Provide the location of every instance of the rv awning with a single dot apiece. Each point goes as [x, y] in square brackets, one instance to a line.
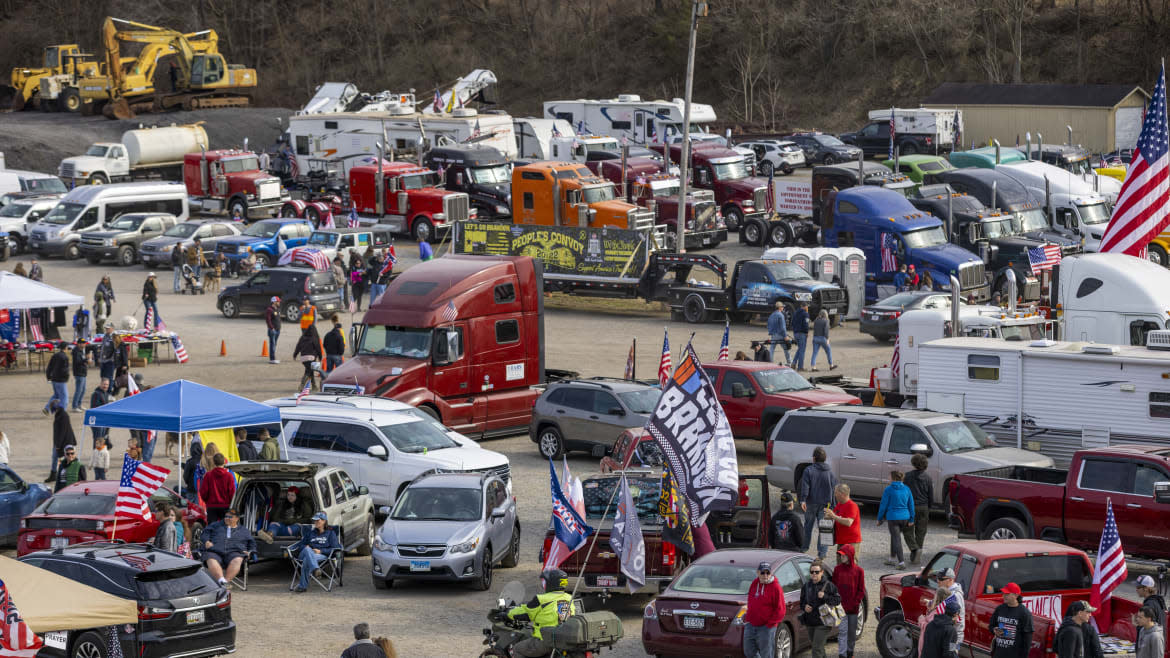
[49, 602]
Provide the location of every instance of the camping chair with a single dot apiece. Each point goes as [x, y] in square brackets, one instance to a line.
[331, 567]
[241, 579]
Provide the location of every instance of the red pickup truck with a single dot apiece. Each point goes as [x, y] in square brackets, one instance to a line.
[745, 526]
[1068, 506]
[1051, 576]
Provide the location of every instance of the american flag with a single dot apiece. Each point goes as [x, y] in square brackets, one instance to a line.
[293, 168]
[630, 360]
[475, 133]
[34, 329]
[160, 325]
[896, 360]
[307, 255]
[723, 354]
[391, 261]
[139, 482]
[353, 218]
[770, 198]
[16, 638]
[1143, 206]
[555, 132]
[891, 133]
[437, 104]
[664, 366]
[180, 351]
[148, 321]
[137, 561]
[308, 388]
[942, 605]
[889, 245]
[450, 312]
[1043, 258]
[1110, 571]
[328, 221]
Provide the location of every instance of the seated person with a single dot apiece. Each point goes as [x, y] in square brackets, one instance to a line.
[315, 546]
[291, 511]
[226, 544]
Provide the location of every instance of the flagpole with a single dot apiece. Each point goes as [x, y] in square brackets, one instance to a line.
[593, 543]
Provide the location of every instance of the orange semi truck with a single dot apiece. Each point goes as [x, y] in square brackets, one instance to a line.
[568, 194]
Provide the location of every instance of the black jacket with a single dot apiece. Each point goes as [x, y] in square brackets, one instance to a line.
[149, 291]
[809, 596]
[1092, 642]
[335, 342]
[189, 467]
[247, 451]
[177, 256]
[80, 362]
[939, 639]
[1070, 640]
[921, 488]
[787, 521]
[1158, 603]
[62, 431]
[99, 398]
[58, 368]
[308, 343]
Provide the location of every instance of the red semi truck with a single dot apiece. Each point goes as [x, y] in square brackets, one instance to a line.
[739, 195]
[231, 181]
[410, 200]
[648, 186]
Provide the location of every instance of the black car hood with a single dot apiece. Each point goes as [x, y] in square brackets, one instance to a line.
[1050, 236]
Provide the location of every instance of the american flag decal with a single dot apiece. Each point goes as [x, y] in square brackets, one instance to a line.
[136, 561]
[450, 312]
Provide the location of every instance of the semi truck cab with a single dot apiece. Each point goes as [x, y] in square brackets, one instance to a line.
[231, 180]
[648, 186]
[481, 172]
[409, 201]
[567, 194]
[725, 172]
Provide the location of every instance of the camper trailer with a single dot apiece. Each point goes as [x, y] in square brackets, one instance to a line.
[642, 122]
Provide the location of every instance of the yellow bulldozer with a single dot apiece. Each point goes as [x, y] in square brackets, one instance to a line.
[201, 78]
[53, 86]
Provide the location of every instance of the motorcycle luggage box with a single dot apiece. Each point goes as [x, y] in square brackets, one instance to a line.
[600, 628]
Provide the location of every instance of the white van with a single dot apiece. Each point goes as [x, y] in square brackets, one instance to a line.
[22, 213]
[16, 180]
[89, 207]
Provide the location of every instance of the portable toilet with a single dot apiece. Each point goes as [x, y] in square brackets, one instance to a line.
[802, 256]
[853, 279]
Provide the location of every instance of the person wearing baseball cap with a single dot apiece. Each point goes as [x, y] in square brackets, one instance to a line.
[1147, 588]
[940, 639]
[316, 545]
[946, 581]
[1011, 624]
[1070, 638]
[765, 610]
[272, 319]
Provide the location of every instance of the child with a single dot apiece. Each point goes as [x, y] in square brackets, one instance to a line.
[99, 461]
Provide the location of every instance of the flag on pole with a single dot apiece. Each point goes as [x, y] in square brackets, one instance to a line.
[180, 351]
[770, 197]
[569, 526]
[1143, 205]
[328, 221]
[626, 540]
[450, 312]
[16, 638]
[1043, 258]
[723, 354]
[1110, 571]
[139, 482]
[889, 246]
[676, 518]
[391, 261]
[630, 360]
[664, 366]
[891, 133]
[308, 388]
[558, 551]
[437, 104]
[353, 218]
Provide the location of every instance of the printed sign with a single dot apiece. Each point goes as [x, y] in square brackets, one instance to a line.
[514, 371]
[1047, 605]
[855, 267]
[827, 266]
[57, 639]
[793, 198]
[602, 251]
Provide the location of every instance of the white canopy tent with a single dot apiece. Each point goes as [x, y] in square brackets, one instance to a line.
[18, 292]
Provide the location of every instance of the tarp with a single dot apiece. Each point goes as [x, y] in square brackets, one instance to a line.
[181, 406]
[49, 602]
[19, 292]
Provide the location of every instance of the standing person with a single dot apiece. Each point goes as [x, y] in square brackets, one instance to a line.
[244, 446]
[927, 282]
[35, 272]
[80, 374]
[821, 340]
[191, 474]
[800, 331]
[1070, 639]
[1147, 588]
[363, 646]
[177, 259]
[334, 344]
[272, 319]
[57, 372]
[107, 290]
[922, 489]
[816, 492]
[946, 582]
[62, 437]
[308, 351]
[373, 272]
[69, 469]
[900, 278]
[817, 591]
[99, 461]
[150, 299]
[847, 517]
[108, 355]
[939, 639]
[315, 545]
[384, 643]
[1150, 643]
[80, 325]
[778, 331]
[787, 526]
[357, 280]
[1011, 624]
[5, 449]
[195, 257]
[849, 578]
[166, 538]
[765, 610]
[270, 450]
[341, 280]
[897, 511]
[217, 489]
[912, 279]
[101, 396]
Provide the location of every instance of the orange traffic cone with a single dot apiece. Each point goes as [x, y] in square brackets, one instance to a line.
[321, 343]
[223, 348]
[264, 350]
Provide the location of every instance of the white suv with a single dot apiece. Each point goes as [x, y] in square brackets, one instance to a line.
[385, 445]
[775, 155]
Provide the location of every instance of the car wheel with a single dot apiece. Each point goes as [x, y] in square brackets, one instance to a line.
[766, 168]
[291, 312]
[126, 256]
[288, 211]
[70, 100]
[1157, 255]
[264, 260]
[783, 641]
[780, 235]
[313, 216]
[894, 637]
[484, 582]
[430, 411]
[421, 230]
[89, 645]
[862, 615]
[551, 443]
[694, 309]
[367, 546]
[513, 557]
[733, 218]
[229, 307]
[829, 159]
[752, 233]
[382, 583]
[97, 179]
[72, 252]
[1006, 528]
[93, 259]
[240, 205]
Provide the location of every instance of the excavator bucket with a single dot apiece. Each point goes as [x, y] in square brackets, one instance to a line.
[11, 99]
[118, 109]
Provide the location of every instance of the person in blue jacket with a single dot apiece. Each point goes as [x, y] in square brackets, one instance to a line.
[778, 331]
[897, 510]
[800, 331]
[315, 546]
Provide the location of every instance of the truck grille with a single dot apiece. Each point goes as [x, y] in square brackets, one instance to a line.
[67, 170]
[456, 207]
[268, 190]
[91, 241]
[828, 296]
[705, 215]
[641, 220]
[760, 198]
[971, 276]
[503, 472]
[422, 550]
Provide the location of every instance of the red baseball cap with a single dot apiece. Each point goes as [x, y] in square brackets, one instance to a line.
[1011, 588]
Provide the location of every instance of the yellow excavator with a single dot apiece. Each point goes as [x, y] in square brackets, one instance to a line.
[53, 86]
[202, 78]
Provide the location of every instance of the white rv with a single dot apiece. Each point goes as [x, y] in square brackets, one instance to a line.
[1071, 395]
[1074, 207]
[643, 122]
[534, 136]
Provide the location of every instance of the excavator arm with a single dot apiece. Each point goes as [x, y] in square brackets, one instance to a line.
[159, 43]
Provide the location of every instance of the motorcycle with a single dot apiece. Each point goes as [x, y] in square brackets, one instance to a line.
[581, 635]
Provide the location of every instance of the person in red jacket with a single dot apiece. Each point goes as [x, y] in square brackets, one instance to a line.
[847, 516]
[765, 610]
[849, 578]
[216, 489]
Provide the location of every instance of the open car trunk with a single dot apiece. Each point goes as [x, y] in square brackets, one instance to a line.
[256, 501]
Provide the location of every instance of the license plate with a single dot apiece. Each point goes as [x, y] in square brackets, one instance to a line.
[706, 241]
[875, 318]
[58, 542]
[420, 565]
[195, 617]
[694, 622]
[607, 581]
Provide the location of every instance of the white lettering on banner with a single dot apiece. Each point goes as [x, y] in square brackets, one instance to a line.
[514, 371]
[1047, 605]
[793, 198]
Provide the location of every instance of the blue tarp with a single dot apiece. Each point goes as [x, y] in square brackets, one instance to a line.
[181, 406]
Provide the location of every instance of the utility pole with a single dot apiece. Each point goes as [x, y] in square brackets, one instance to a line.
[698, 8]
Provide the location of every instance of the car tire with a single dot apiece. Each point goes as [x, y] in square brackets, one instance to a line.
[367, 546]
[89, 645]
[430, 411]
[766, 168]
[1157, 255]
[483, 582]
[422, 230]
[72, 252]
[828, 159]
[291, 312]
[784, 643]
[752, 233]
[229, 307]
[694, 309]
[550, 442]
[894, 637]
[239, 204]
[93, 259]
[733, 218]
[513, 557]
[70, 101]
[313, 216]
[126, 256]
[781, 235]
[288, 211]
[264, 260]
[382, 583]
[1005, 528]
[97, 179]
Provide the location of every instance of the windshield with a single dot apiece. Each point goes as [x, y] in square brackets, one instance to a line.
[438, 504]
[97, 150]
[828, 140]
[1079, 166]
[262, 230]
[78, 504]
[52, 184]
[1023, 332]
[1030, 220]
[417, 436]
[598, 193]
[322, 239]
[643, 489]
[996, 229]
[789, 147]
[786, 271]
[127, 223]
[236, 165]
[926, 237]
[780, 380]
[15, 209]
[181, 230]
[716, 579]
[174, 583]
[1093, 213]
[64, 213]
[730, 170]
[959, 436]
[666, 188]
[396, 341]
[641, 402]
[419, 181]
[489, 175]
[607, 146]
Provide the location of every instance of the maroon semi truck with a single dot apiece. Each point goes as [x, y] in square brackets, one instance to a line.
[1068, 505]
[724, 171]
[231, 181]
[648, 186]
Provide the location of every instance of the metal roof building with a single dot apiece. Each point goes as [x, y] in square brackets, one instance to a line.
[1103, 117]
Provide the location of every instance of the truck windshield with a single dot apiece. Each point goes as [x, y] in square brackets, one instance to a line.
[262, 230]
[645, 490]
[396, 341]
[1030, 220]
[666, 188]
[935, 165]
[780, 380]
[996, 228]
[490, 175]
[641, 402]
[49, 184]
[419, 181]
[184, 230]
[438, 504]
[1022, 332]
[97, 150]
[127, 223]
[15, 209]
[236, 165]
[1079, 166]
[786, 271]
[64, 213]
[597, 194]
[605, 146]
[1040, 573]
[730, 170]
[924, 237]
[959, 436]
[1093, 213]
[417, 436]
[716, 579]
[322, 239]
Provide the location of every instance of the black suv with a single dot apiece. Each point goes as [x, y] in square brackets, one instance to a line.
[291, 284]
[181, 609]
[820, 148]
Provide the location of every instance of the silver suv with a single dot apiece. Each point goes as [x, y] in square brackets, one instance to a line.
[448, 527]
[589, 414]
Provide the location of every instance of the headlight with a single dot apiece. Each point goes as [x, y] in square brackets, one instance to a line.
[748, 203]
[465, 547]
[803, 296]
[380, 545]
[109, 242]
[503, 210]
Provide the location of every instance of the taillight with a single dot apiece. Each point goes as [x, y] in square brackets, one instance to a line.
[224, 599]
[649, 612]
[307, 286]
[897, 314]
[738, 621]
[545, 548]
[668, 554]
[146, 612]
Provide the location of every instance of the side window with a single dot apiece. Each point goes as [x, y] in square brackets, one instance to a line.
[507, 331]
[504, 293]
[604, 403]
[983, 366]
[1159, 405]
[448, 345]
[846, 207]
[712, 374]
[944, 560]
[1138, 330]
[326, 494]
[751, 493]
[557, 396]
[579, 398]
[260, 279]
[789, 577]
[347, 241]
[304, 230]
[154, 225]
[496, 494]
[89, 218]
[338, 488]
[172, 207]
[528, 202]
[316, 435]
[904, 436]
[302, 145]
[1089, 286]
[965, 572]
[351, 490]
[730, 379]
[814, 430]
[223, 230]
[288, 232]
[355, 438]
[867, 435]
[1107, 475]
[531, 175]
[1143, 482]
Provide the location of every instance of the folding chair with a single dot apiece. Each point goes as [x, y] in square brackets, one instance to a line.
[332, 567]
[241, 579]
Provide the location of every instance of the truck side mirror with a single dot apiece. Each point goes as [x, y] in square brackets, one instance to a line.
[378, 452]
[459, 180]
[973, 232]
[910, 580]
[921, 448]
[1162, 493]
[703, 177]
